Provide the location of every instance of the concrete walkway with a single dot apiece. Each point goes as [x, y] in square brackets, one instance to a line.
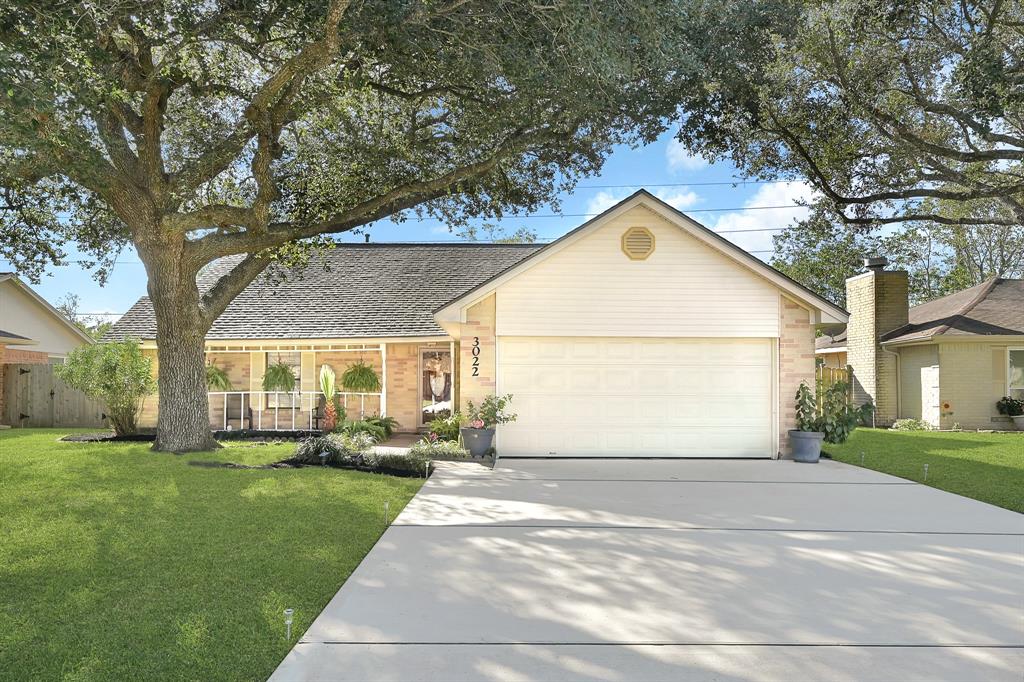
[678, 570]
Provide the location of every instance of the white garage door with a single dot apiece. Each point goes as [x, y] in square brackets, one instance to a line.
[618, 397]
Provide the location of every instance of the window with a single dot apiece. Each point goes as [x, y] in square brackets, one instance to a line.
[1015, 372]
[294, 361]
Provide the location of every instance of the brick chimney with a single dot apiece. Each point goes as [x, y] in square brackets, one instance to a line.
[878, 304]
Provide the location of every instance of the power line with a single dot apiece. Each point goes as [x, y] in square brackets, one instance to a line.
[732, 183]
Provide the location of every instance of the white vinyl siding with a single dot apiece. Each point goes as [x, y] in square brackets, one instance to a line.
[637, 397]
[683, 289]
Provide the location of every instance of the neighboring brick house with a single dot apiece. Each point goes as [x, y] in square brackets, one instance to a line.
[640, 333]
[945, 362]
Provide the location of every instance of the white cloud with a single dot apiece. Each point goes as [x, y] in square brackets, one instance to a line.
[602, 201]
[772, 194]
[681, 199]
[679, 158]
[440, 229]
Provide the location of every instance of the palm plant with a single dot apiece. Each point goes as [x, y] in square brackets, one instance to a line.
[217, 378]
[327, 385]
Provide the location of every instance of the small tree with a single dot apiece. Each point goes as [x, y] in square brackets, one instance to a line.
[116, 373]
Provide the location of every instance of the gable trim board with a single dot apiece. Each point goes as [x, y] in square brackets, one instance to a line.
[687, 353]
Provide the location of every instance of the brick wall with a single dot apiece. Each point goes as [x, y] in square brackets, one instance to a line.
[878, 304]
[796, 363]
[403, 394]
[477, 331]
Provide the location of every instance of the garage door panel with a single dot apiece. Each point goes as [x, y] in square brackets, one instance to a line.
[637, 397]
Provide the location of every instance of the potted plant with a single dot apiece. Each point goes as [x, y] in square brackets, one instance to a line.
[479, 435]
[279, 377]
[1012, 408]
[806, 439]
[833, 422]
[360, 378]
[217, 379]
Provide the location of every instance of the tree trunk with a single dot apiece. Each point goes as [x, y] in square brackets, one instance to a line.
[183, 424]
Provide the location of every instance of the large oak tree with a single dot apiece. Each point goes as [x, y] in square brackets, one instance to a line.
[195, 130]
[895, 110]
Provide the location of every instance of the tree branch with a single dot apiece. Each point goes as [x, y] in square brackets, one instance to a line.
[217, 298]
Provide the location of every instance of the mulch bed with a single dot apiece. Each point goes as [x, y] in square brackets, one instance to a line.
[235, 434]
[292, 463]
[107, 437]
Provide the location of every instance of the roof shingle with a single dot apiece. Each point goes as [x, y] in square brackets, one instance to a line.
[352, 291]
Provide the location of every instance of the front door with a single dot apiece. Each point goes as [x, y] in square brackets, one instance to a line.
[435, 384]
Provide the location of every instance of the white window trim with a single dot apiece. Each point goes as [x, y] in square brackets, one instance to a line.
[1009, 374]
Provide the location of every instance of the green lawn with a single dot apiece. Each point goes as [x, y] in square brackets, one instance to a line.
[986, 466]
[120, 563]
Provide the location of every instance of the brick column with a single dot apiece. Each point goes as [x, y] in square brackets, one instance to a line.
[477, 350]
[796, 363]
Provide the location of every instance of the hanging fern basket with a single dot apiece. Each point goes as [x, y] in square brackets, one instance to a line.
[360, 378]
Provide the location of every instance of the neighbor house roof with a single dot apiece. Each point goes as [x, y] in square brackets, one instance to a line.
[994, 307]
[45, 305]
[351, 291]
[12, 339]
[835, 343]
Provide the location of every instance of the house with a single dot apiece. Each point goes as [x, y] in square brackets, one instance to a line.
[640, 333]
[32, 332]
[944, 362]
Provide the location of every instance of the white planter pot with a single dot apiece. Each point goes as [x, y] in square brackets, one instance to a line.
[1018, 422]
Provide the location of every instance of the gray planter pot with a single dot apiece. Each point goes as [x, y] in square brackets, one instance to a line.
[806, 445]
[478, 441]
[1018, 422]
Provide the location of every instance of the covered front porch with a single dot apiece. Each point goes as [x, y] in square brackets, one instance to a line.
[417, 382]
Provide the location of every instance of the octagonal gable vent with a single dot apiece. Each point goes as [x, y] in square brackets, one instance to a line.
[638, 243]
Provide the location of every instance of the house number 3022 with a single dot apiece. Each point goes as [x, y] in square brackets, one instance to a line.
[476, 356]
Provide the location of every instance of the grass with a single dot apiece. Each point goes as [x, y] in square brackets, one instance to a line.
[120, 563]
[986, 466]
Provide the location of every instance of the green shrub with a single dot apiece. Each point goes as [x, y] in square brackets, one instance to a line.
[389, 424]
[116, 373]
[438, 449]
[414, 464]
[447, 428]
[338, 446]
[375, 431]
[909, 425]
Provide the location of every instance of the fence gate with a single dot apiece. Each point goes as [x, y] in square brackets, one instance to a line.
[35, 397]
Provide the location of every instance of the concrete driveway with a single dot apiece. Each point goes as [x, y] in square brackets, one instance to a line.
[678, 570]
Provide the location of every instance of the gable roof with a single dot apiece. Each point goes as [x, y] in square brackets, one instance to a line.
[45, 305]
[994, 307]
[354, 291]
[12, 339]
[830, 312]
[831, 343]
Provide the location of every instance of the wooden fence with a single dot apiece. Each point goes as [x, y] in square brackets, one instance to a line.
[35, 397]
[825, 377]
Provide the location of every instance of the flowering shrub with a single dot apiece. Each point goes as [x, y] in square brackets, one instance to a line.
[491, 412]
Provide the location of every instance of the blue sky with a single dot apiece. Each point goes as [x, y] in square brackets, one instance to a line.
[663, 168]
